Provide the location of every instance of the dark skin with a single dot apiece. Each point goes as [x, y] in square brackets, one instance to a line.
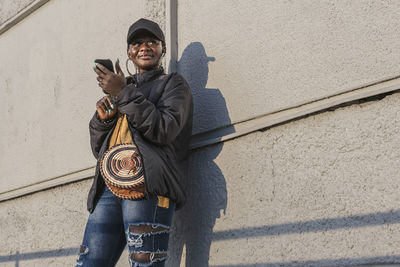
[145, 51]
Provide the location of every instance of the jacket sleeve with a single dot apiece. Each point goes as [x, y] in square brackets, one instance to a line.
[161, 122]
[98, 132]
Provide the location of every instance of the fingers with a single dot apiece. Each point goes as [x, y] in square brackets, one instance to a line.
[109, 81]
[110, 104]
[99, 73]
[102, 83]
[101, 78]
[101, 112]
[102, 69]
[103, 73]
[106, 105]
[118, 68]
[103, 104]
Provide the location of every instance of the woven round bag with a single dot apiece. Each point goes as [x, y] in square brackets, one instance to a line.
[122, 169]
[131, 194]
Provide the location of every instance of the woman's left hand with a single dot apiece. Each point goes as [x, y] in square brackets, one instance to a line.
[109, 81]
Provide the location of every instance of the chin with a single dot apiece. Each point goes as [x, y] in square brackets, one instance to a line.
[148, 67]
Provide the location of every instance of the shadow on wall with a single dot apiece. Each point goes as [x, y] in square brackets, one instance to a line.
[210, 110]
[393, 260]
[183, 235]
[192, 228]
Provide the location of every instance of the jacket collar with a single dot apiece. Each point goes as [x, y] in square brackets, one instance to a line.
[141, 78]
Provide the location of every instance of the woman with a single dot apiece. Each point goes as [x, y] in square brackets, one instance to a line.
[152, 111]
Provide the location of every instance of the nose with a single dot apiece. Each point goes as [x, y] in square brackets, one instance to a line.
[144, 46]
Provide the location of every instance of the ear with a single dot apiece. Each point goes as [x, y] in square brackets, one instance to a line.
[128, 52]
[164, 50]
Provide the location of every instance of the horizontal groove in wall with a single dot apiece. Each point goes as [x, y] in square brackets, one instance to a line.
[21, 15]
[236, 130]
[216, 135]
[276, 118]
[60, 180]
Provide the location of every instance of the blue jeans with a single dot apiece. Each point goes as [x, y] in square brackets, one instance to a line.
[143, 224]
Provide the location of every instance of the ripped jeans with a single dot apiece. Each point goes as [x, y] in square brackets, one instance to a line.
[142, 224]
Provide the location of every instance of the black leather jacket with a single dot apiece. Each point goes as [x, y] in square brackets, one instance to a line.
[159, 111]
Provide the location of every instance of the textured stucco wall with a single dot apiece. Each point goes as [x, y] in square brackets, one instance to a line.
[318, 191]
[269, 55]
[49, 88]
[40, 229]
[322, 190]
[9, 9]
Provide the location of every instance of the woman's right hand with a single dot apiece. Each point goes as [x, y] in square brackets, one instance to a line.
[106, 109]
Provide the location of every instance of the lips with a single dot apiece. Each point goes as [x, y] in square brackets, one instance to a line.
[146, 57]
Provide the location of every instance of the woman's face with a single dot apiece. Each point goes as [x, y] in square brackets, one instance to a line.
[145, 51]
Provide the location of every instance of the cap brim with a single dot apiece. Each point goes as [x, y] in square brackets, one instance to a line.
[210, 58]
[141, 31]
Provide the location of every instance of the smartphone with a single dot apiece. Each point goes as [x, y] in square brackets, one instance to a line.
[106, 63]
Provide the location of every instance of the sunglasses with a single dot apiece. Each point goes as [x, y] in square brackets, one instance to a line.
[150, 43]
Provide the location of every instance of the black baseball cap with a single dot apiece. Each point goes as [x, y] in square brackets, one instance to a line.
[145, 25]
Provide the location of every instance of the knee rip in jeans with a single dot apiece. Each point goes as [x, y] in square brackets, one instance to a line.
[139, 230]
[83, 250]
[144, 258]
